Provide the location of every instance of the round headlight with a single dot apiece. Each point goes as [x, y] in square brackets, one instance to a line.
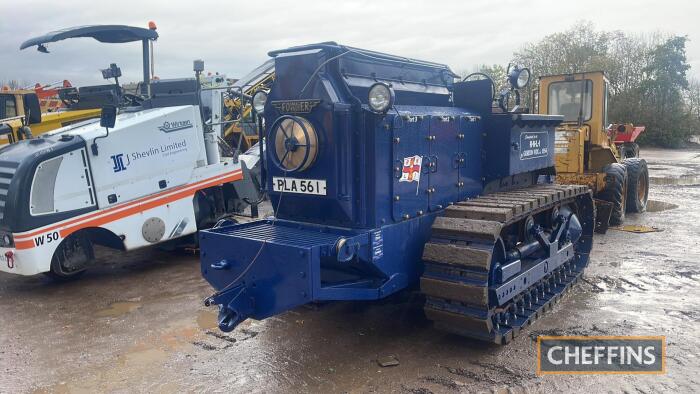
[381, 97]
[6, 240]
[519, 77]
[259, 100]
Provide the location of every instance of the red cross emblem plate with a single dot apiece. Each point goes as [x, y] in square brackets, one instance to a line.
[411, 169]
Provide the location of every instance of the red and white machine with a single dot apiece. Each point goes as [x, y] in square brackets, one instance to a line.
[154, 177]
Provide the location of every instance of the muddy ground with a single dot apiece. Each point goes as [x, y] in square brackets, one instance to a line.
[137, 324]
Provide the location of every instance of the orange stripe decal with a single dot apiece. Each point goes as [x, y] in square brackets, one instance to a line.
[24, 244]
[99, 218]
[196, 186]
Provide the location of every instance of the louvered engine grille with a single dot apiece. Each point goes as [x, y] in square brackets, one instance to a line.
[7, 171]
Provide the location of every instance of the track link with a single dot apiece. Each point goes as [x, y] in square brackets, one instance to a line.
[466, 246]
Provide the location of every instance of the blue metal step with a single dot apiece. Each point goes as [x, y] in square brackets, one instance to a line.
[279, 232]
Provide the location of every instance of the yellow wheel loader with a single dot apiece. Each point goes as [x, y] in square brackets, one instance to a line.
[588, 152]
[21, 117]
[240, 131]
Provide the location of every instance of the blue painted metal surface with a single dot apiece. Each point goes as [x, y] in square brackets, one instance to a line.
[518, 144]
[364, 238]
[278, 264]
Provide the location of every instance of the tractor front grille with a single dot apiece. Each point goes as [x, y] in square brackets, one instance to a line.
[7, 171]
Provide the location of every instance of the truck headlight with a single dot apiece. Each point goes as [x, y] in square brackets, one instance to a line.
[381, 97]
[519, 77]
[259, 100]
[6, 241]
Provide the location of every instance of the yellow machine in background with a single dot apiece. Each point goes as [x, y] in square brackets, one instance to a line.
[21, 117]
[240, 130]
[586, 151]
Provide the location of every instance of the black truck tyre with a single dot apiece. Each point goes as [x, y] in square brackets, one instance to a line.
[71, 258]
[615, 178]
[637, 184]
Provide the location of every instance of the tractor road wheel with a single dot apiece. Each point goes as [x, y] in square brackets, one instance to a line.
[637, 184]
[615, 178]
[71, 258]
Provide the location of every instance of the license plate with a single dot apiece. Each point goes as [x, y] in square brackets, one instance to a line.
[301, 186]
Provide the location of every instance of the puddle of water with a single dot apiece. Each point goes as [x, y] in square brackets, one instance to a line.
[207, 320]
[180, 337]
[689, 180]
[139, 358]
[119, 308]
[659, 206]
[60, 388]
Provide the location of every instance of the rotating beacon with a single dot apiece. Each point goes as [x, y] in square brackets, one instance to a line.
[386, 173]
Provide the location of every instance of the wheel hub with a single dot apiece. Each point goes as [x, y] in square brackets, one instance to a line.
[295, 143]
[291, 144]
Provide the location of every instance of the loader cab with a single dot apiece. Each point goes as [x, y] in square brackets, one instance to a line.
[581, 97]
[8, 105]
[18, 111]
[583, 143]
[20, 104]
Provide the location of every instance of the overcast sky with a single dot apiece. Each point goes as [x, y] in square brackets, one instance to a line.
[232, 37]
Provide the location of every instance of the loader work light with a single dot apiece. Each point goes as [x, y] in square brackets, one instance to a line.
[381, 97]
[519, 77]
[259, 100]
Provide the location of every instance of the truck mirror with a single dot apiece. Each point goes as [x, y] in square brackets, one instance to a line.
[108, 117]
[32, 108]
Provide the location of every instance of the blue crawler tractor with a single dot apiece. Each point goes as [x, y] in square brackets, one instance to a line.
[387, 173]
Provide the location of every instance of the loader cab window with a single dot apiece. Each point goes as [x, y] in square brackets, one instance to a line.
[605, 105]
[8, 106]
[566, 98]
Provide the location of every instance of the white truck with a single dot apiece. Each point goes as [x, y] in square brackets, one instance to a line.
[154, 175]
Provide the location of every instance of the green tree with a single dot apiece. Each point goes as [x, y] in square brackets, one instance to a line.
[578, 49]
[496, 71]
[647, 74]
[663, 91]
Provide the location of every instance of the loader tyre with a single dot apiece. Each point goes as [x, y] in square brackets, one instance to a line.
[637, 184]
[629, 150]
[615, 178]
[71, 258]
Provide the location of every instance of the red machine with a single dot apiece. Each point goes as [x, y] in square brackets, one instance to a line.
[625, 136]
[48, 95]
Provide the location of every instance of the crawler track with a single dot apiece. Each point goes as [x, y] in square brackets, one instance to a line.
[470, 241]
